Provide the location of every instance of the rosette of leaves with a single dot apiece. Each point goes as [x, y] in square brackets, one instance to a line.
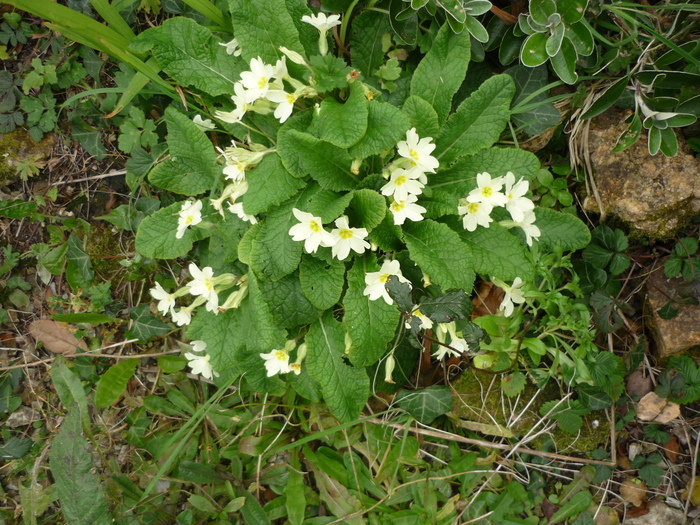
[459, 14]
[329, 162]
[556, 32]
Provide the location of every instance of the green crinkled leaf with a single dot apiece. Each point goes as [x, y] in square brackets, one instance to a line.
[329, 205]
[286, 147]
[223, 244]
[427, 404]
[386, 125]
[308, 34]
[262, 333]
[223, 335]
[367, 209]
[422, 116]
[387, 235]
[345, 389]
[113, 382]
[262, 26]
[343, 124]
[144, 325]
[245, 246]
[371, 324]
[322, 281]
[79, 490]
[156, 235]
[440, 253]
[439, 75]
[478, 121]
[190, 54]
[497, 252]
[287, 302]
[269, 184]
[192, 167]
[326, 163]
[366, 34]
[561, 229]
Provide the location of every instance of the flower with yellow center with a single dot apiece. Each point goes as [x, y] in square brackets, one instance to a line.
[190, 214]
[407, 209]
[375, 281]
[488, 191]
[475, 214]
[203, 284]
[276, 362]
[347, 238]
[403, 183]
[257, 80]
[310, 230]
[418, 151]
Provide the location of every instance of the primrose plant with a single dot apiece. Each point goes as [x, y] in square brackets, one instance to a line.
[323, 191]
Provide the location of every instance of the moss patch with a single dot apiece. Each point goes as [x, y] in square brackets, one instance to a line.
[17, 148]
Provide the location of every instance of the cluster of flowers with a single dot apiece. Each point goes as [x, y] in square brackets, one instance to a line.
[477, 206]
[277, 361]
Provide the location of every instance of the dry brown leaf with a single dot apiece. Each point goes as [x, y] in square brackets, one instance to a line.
[671, 449]
[57, 338]
[658, 409]
[607, 516]
[638, 384]
[487, 300]
[633, 491]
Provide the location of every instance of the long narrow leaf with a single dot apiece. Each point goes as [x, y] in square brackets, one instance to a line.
[213, 13]
[113, 18]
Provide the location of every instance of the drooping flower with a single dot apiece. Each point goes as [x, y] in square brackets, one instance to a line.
[456, 346]
[518, 205]
[182, 317]
[418, 151]
[237, 208]
[407, 209]
[203, 124]
[243, 99]
[347, 238]
[514, 294]
[166, 301]
[528, 226]
[488, 190]
[323, 24]
[232, 47]
[475, 214]
[190, 214]
[425, 322]
[276, 362]
[402, 184]
[376, 281]
[257, 80]
[310, 230]
[203, 284]
[200, 363]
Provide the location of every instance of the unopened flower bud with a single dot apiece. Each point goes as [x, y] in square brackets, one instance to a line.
[389, 369]
[293, 56]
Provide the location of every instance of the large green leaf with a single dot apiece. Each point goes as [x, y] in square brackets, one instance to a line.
[223, 335]
[261, 27]
[543, 115]
[561, 229]
[386, 125]
[439, 75]
[322, 281]
[326, 163]
[287, 302]
[192, 167]
[440, 253]
[156, 235]
[422, 115]
[371, 324]
[366, 34]
[343, 124]
[345, 389]
[367, 209]
[478, 121]
[79, 490]
[269, 184]
[69, 389]
[286, 146]
[190, 54]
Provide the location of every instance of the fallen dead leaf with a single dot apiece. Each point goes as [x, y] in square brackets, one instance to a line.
[57, 338]
[487, 300]
[638, 384]
[695, 495]
[636, 512]
[607, 516]
[633, 491]
[657, 409]
[671, 449]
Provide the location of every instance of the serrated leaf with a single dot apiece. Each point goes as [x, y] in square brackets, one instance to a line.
[288, 304]
[113, 382]
[427, 404]
[478, 121]
[422, 116]
[322, 281]
[15, 448]
[144, 325]
[70, 390]
[79, 490]
[343, 124]
[190, 54]
[513, 384]
[192, 167]
[442, 70]
[371, 324]
[386, 125]
[439, 251]
[269, 184]
[345, 389]
[155, 236]
[561, 229]
[329, 165]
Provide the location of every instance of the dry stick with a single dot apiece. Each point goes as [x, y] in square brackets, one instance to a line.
[113, 173]
[488, 444]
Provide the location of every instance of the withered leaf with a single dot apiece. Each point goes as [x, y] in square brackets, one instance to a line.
[57, 337]
[658, 409]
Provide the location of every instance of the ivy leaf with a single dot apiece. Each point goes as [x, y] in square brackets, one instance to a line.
[386, 125]
[441, 72]
[593, 397]
[192, 167]
[452, 306]
[561, 229]
[400, 292]
[144, 325]
[478, 121]
[322, 281]
[155, 236]
[269, 184]
[439, 251]
[343, 125]
[345, 389]
[427, 404]
[190, 54]
[422, 116]
[75, 254]
[371, 324]
[326, 163]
